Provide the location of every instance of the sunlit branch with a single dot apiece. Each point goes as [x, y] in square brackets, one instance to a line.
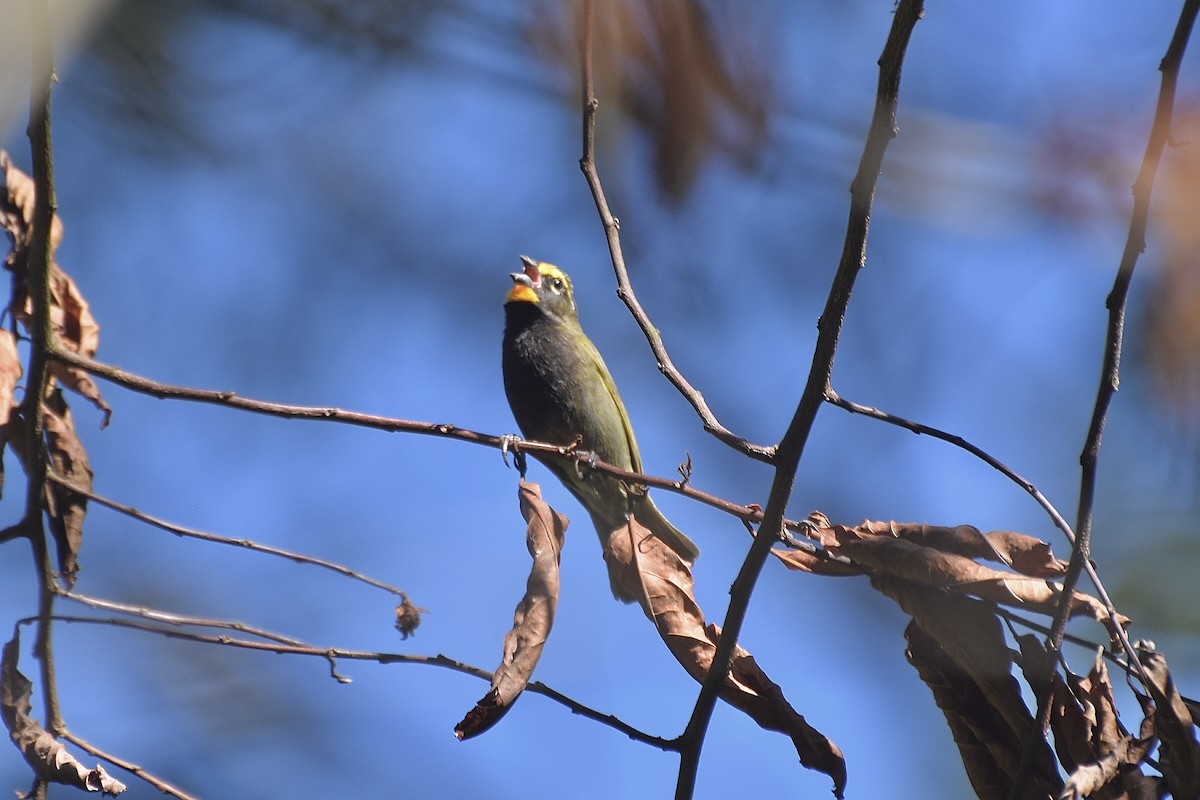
[584, 458]
[791, 446]
[130, 767]
[1135, 243]
[41, 338]
[439, 660]
[612, 231]
[1114, 626]
[246, 544]
[183, 620]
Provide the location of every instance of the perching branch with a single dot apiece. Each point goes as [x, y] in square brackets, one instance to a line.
[612, 231]
[228, 399]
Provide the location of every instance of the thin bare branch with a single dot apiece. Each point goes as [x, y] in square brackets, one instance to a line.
[247, 544]
[612, 231]
[1112, 623]
[1135, 243]
[791, 446]
[504, 443]
[143, 774]
[537, 687]
[41, 338]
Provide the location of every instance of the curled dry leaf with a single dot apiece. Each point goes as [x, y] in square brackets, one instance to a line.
[989, 747]
[10, 373]
[78, 331]
[1025, 554]
[971, 637]
[47, 756]
[16, 212]
[1091, 746]
[65, 508]
[647, 569]
[941, 557]
[74, 326]
[1179, 754]
[533, 618]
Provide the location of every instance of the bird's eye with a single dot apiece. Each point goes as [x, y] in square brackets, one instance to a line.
[556, 284]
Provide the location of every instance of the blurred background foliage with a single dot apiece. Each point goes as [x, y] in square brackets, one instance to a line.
[317, 201]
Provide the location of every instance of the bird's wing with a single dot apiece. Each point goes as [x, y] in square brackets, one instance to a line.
[635, 459]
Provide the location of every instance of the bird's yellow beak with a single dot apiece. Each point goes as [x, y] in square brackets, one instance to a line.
[525, 283]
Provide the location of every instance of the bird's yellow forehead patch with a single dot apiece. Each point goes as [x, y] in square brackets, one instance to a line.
[550, 271]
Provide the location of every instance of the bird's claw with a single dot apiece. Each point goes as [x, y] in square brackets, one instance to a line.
[592, 460]
[512, 441]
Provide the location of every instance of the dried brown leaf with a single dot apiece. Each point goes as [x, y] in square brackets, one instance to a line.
[47, 756]
[1179, 753]
[900, 558]
[647, 569]
[959, 649]
[983, 738]
[65, 508]
[1097, 755]
[1026, 554]
[684, 73]
[16, 214]
[10, 373]
[533, 618]
[76, 330]
[74, 326]
[814, 563]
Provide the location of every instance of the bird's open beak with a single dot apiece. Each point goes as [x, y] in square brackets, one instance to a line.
[525, 283]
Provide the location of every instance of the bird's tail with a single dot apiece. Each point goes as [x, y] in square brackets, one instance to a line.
[648, 514]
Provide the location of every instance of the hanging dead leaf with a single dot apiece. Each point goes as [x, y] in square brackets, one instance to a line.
[1089, 741]
[1025, 554]
[884, 554]
[10, 373]
[648, 570]
[1179, 755]
[47, 756]
[533, 618]
[75, 328]
[986, 743]
[16, 214]
[65, 508]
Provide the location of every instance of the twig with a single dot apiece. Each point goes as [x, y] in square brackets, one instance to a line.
[180, 620]
[612, 231]
[438, 660]
[791, 446]
[229, 399]
[247, 544]
[666, 745]
[129, 766]
[1135, 243]
[41, 338]
[1112, 623]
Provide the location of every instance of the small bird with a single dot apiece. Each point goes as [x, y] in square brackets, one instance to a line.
[561, 392]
